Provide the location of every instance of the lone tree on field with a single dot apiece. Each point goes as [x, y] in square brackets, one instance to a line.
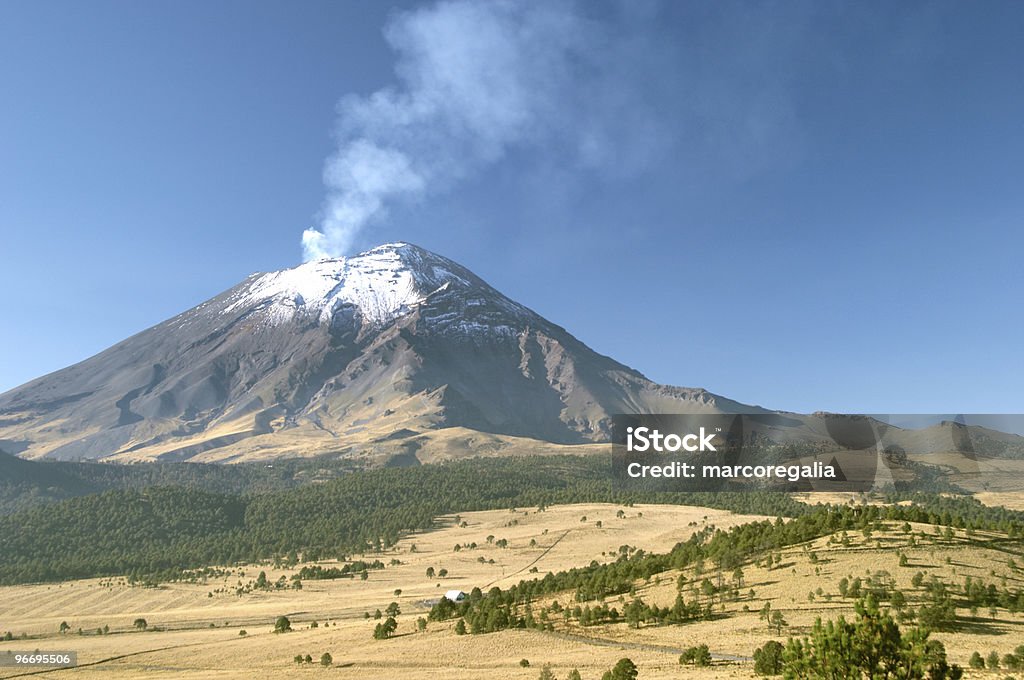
[64, 627]
[326, 660]
[385, 630]
[282, 625]
[140, 624]
[624, 669]
[698, 656]
[778, 621]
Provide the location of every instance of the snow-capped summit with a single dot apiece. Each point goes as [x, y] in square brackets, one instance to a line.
[382, 283]
[334, 354]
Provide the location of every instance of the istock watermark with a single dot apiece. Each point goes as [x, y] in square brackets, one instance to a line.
[764, 450]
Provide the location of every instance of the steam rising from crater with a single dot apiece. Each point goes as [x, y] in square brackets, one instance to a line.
[571, 88]
[475, 79]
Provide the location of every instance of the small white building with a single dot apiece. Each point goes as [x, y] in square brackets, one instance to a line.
[455, 595]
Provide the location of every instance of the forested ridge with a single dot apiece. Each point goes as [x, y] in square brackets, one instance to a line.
[28, 483]
[159, 531]
[156, 532]
[725, 551]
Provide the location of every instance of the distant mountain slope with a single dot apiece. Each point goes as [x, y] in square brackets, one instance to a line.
[335, 355]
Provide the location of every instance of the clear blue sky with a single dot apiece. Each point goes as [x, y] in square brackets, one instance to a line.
[804, 206]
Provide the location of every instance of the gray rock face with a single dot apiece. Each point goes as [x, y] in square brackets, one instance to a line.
[330, 354]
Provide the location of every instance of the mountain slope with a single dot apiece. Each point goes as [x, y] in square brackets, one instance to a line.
[395, 349]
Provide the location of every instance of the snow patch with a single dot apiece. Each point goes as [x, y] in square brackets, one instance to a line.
[384, 283]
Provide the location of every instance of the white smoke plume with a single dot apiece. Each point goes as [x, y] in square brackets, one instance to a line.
[476, 78]
[614, 90]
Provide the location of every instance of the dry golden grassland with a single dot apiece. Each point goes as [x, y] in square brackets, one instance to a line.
[199, 623]
[1011, 500]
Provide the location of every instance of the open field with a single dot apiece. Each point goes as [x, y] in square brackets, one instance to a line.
[192, 648]
[199, 623]
[1011, 500]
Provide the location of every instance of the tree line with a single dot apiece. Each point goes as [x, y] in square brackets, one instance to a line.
[724, 550]
[157, 533]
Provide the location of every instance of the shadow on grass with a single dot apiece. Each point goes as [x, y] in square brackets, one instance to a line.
[979, 627]
[759, 584]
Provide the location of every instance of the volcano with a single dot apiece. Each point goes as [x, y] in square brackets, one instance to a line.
[395, 352]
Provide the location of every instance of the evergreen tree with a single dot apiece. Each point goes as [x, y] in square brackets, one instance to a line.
[624, 669]
[871, 647]
[698, 656]
[382, 631]
[768, 659]
[778, 621]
